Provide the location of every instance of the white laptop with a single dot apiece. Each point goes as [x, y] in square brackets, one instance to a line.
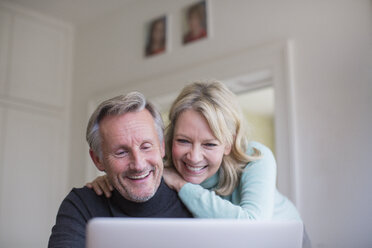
[191, 233]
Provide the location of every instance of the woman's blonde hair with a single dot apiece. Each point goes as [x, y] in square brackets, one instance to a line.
[219, 107]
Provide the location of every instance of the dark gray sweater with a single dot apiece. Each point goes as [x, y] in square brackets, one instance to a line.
[83, 204]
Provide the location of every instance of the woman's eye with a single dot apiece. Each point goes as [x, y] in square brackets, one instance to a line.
[210, 144]
[182, 141]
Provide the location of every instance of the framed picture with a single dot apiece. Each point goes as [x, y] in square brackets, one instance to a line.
[195, 22]
[156, 36]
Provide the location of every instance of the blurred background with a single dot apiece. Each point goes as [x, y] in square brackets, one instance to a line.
[302, 71]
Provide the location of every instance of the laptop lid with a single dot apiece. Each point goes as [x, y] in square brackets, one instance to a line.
[192, 233]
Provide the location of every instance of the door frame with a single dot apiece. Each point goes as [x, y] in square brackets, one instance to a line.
[272, 61]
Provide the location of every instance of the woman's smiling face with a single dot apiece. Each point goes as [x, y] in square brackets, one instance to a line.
[197, 153]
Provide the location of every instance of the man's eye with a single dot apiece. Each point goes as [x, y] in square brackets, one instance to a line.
[121, 153]
[146, 146]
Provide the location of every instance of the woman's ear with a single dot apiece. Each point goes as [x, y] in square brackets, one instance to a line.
[96, 160]
[227, 150]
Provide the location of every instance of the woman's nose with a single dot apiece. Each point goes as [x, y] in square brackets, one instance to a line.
[195, 154]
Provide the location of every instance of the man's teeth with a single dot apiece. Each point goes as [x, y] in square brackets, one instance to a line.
[194, 168]
[140, 176]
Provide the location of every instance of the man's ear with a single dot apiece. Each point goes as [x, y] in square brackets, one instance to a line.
[96, 160]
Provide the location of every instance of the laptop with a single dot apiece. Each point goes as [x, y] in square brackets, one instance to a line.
[192, 233]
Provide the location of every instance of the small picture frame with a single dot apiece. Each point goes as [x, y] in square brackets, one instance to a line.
[195, 22]
[156, 36]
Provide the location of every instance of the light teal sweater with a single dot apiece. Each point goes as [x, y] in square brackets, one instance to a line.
[255, 198]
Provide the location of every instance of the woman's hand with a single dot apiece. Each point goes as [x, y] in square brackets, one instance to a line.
[173, 179]
[101, 185]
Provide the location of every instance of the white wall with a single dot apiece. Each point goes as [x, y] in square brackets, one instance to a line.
[332, 61]
[35, 69]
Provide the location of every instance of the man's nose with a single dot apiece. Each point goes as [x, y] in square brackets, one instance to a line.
[195, 154]
[137, 161]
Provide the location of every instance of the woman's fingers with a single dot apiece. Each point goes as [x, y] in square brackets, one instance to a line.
[101, 185]
[111, 188]
[105, 186]
[96, 187]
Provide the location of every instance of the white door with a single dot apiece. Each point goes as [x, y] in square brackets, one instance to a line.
[34, 116]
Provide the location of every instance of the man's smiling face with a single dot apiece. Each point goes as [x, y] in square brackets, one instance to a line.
[132, 154]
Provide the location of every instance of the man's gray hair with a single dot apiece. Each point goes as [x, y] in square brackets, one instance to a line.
[119, 105]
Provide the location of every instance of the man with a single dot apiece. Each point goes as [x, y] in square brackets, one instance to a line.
[125, 136]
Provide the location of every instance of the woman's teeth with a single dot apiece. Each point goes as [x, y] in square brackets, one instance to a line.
[192, 168]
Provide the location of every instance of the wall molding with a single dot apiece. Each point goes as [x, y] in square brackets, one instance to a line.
[28, 105]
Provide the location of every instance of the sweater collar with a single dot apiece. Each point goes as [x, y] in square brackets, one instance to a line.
[160, 202]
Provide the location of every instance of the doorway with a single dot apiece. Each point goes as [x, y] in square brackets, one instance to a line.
[258, 110]
[249, 73]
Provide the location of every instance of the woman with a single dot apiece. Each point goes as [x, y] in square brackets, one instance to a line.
[216, 172]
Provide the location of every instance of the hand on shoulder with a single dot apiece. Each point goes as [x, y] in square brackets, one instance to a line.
[101, 185]
[173, 179]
